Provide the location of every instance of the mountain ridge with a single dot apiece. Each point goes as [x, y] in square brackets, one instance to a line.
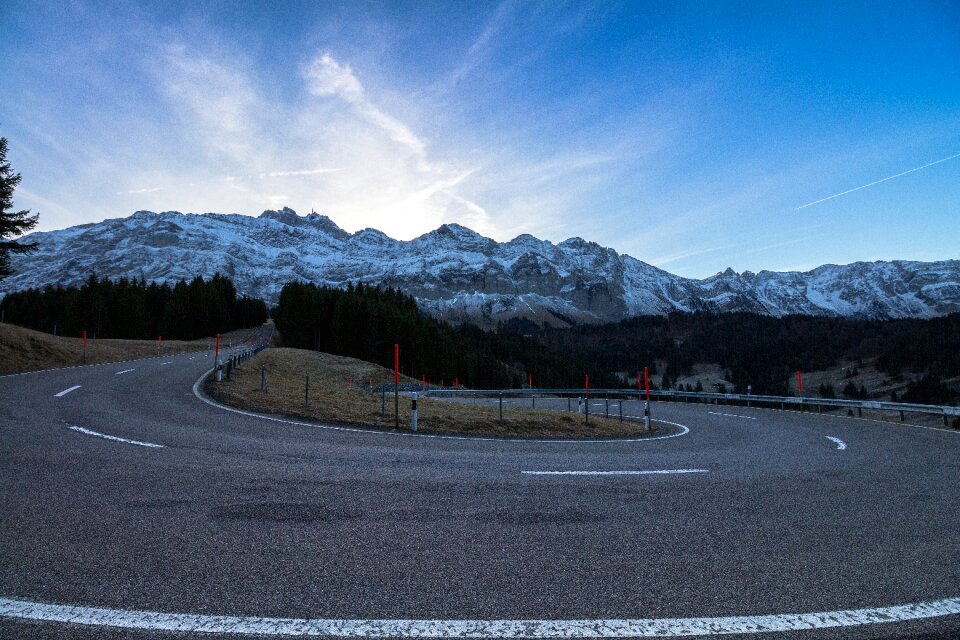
[460, 275]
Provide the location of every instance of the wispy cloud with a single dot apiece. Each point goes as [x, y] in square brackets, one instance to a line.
[327, 77]
[502, 18]
[144, 190]
[302, 172]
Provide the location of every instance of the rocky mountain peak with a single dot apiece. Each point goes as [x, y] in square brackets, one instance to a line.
[459, 274]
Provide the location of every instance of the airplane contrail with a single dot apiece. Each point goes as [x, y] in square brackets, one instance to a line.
[837, 195]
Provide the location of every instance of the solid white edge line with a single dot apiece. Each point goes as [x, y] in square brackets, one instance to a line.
[66, 391]
[684, 430]
[841, 445]
[613, 473]
[119, 373]
[731, 415]
[116, 438]
[584, 628]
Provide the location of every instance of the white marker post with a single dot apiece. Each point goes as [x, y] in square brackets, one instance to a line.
[646, 417]
[413, 413]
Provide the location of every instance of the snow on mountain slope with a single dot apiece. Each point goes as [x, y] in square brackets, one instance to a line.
[458, 274]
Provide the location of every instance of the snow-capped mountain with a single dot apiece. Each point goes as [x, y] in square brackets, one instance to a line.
[458, 274]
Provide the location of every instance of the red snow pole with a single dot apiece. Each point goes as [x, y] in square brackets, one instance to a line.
[396, 385]
[586, 382]
[799, 383]
[646, 381]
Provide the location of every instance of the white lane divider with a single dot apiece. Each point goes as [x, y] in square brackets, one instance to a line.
[359, 628]
[66, 391]
[841, 445]
[166, 363]
[613, 473]
[120, 373]
[731, 415]
[117, 439]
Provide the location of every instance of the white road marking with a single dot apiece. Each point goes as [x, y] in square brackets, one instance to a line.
[66, 391]
[684, 430]
[166, 363]
[612, 473]
[358, 628]
[841, 445]
[731, 415]
[120, 373]
[117, 439]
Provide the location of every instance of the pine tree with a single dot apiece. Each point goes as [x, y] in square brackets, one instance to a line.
[12, 223]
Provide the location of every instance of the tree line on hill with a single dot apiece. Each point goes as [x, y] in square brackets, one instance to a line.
[135, 310]
[765, 352]
[365, 322]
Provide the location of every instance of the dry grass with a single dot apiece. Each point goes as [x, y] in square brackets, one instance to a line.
[340, 392]
[28, 350]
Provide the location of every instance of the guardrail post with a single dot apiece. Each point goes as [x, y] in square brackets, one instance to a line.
[902, 418]
[501, 409]
[533, 402]
[568, 404]
[621, 410]
[859, 412]
[606, 408]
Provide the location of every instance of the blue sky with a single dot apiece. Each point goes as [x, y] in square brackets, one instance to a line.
[688, 135]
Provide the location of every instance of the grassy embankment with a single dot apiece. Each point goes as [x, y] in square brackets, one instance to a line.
[334, 399]
[28, 350]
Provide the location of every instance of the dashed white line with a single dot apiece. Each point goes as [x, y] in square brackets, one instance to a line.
[613, 473]
[120, 373]
[731, 415]
[166, 363]
[66, 391]
[841, 445]
[117, 439]
[359, 628]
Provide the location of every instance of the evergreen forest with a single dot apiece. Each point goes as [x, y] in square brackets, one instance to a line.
[135, 310]
[764, 351]
[365, 322]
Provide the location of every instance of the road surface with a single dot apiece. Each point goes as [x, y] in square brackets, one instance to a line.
[131, 506]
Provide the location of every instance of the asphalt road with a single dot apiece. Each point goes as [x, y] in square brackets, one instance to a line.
[239, 516]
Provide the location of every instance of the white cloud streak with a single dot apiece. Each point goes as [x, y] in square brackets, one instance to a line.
[876, 182]
[327, 77]
[144, 190]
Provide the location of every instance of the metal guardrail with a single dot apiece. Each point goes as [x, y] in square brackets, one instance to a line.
[717, 398]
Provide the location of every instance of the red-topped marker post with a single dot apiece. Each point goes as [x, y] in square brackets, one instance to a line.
[646, 381]
[396, 386]
[216, 358]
